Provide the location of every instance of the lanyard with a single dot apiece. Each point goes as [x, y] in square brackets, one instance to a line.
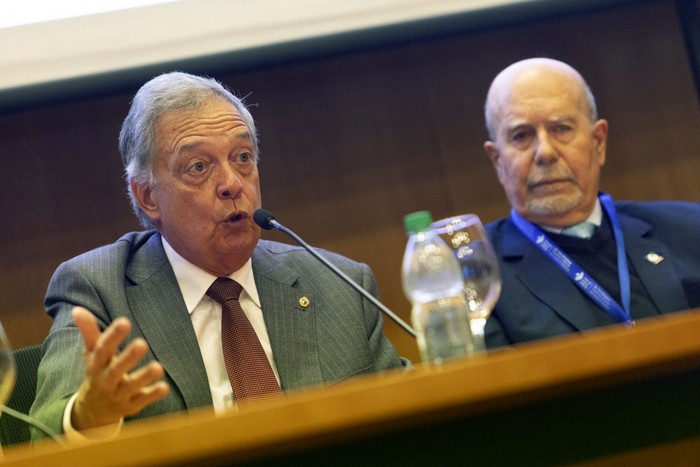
[584, 282]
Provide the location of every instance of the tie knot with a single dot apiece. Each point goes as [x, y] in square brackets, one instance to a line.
[224, 289]
[580, 230]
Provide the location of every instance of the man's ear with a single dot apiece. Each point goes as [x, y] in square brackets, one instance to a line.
[492, 152]
[600, 138]
[145, 196]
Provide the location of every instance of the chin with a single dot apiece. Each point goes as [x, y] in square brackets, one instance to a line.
[555, 205]
[241, 246]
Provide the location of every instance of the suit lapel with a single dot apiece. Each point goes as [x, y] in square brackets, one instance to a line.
[661, 280]
[288, 309]
[160, 314]
[541, 276]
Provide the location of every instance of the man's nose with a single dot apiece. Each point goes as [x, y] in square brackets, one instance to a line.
[230, 183]
[545, 152]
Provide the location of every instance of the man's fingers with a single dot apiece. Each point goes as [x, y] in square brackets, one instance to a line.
[143, 377]
[123, 363]
[104, 344]
[108, 343]
[111, 390]
[139, 389]
[87, 325]
[103, 364]
[148, 395]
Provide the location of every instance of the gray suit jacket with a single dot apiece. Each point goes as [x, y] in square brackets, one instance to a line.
[339, 335]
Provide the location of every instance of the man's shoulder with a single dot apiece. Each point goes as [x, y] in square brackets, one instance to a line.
[122, 247]
[498, 228]
[283, 249]
[660, 210]
[278, 247]
[297, 255]
[496, 225]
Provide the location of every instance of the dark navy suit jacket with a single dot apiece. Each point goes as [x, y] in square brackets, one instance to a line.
[539, 300]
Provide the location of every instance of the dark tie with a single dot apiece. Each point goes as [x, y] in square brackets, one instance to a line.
[247, 365]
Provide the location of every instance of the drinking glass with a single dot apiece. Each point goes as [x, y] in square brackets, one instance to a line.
[7, 368]
[7, 373]
[482, 280]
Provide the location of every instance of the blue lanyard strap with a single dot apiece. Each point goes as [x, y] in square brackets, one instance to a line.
[582, 280]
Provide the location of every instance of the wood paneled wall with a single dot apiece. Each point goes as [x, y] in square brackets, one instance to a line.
[352, 143]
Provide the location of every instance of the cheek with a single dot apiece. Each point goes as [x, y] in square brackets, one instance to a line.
[516, 169]
[186, 204]
[513, 179]
[583, 161]
[252, 190]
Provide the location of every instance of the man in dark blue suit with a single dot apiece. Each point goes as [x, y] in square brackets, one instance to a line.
[571, 258]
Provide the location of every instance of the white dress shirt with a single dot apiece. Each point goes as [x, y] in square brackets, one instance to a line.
[205, 314]
[595, 218]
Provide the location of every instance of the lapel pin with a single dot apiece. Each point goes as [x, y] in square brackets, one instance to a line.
[304, 302]
[654, 258]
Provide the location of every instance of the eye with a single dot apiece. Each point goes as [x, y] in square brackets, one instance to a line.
[197, 167]
[521, 137]
[245, 157]
[563, 133]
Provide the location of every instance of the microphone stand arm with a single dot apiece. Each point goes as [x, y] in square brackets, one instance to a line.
[343, 276]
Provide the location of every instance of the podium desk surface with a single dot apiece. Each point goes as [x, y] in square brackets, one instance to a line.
[557, 401]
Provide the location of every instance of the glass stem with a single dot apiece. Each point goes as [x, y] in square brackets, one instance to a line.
[477, 325]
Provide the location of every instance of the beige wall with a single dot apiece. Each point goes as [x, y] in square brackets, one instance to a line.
[352, 143]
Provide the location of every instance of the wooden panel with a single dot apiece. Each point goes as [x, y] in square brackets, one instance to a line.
[548, 403]
[352, 143]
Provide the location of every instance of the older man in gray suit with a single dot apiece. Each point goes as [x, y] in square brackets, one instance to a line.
[135, 332]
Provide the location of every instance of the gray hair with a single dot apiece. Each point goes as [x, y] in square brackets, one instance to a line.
[588, 94]
[168, 92]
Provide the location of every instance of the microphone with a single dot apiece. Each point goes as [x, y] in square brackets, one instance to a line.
[267, 221]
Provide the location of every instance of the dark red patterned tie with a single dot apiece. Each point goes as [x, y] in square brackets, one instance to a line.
[247, 365]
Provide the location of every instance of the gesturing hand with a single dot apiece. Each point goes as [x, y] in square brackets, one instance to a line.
[112, 389]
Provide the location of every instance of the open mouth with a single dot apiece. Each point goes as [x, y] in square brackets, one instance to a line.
[237, 217]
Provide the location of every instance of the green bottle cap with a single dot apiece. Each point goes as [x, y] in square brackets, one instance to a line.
[418, 221]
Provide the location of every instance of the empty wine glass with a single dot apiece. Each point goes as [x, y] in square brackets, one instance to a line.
[7, 368]
[482, 280]
[8, 373]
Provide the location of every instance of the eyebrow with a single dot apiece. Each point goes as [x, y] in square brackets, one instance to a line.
[556, 119]
[562, 118]
[512, 127]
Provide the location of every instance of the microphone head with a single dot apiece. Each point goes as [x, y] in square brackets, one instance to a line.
[264, 218]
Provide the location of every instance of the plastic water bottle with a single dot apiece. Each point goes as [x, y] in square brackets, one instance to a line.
[432, 281]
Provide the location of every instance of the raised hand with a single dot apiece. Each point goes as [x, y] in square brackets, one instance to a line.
[112, 389]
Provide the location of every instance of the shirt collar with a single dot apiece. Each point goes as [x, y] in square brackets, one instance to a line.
[194, 281]
[595, 217]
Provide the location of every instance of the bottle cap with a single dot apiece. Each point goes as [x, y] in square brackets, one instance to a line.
[418, 221]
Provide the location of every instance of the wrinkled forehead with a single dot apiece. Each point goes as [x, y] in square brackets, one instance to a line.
[213, 118]
[213, 106]
[214, 111]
